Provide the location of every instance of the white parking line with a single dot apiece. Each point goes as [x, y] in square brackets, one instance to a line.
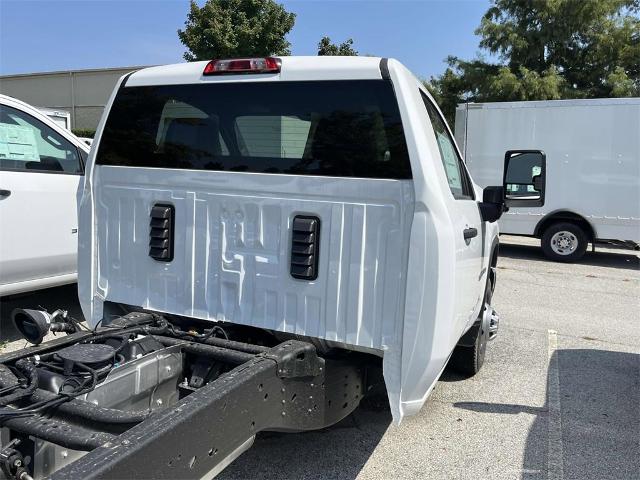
[554, 454]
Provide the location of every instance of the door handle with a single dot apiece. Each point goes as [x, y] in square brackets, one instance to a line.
[5, 193]
[469, 233]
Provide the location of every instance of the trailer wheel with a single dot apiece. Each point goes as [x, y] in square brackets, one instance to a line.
[564, 242]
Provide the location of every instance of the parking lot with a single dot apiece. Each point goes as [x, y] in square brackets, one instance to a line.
[558, 397]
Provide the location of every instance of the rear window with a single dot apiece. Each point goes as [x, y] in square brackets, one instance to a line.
[332, 128]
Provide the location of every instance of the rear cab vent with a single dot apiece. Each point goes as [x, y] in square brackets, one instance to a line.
[305, 239]
[161, 232]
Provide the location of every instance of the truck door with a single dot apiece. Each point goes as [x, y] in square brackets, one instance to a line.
[39, 175]
[467, 224]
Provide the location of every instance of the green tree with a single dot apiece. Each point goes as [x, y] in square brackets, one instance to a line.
[236, 28]
[548, 50]
[325, 47]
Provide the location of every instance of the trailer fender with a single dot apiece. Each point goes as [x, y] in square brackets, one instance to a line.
[564, 216]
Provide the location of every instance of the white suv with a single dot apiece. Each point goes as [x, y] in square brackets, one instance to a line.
[41, 167]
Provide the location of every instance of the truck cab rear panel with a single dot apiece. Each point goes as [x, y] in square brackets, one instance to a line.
[233, 250]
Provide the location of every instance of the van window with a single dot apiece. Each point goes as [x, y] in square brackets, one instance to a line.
[331, 128]
[27, 144]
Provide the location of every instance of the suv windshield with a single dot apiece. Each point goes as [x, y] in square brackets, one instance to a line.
[334, 128]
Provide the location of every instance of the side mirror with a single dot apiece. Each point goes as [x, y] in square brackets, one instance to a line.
[524, 178]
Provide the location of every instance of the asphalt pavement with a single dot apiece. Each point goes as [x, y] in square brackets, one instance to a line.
[558, 396]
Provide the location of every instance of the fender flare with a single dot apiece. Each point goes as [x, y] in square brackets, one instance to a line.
[468, 338]
[493, 259]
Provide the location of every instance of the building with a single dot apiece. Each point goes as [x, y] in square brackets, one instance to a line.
[81, 93]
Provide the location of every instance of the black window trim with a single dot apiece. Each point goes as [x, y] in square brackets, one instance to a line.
[48, 172]
[466, 179]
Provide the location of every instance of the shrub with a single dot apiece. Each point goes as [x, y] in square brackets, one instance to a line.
[83, 132]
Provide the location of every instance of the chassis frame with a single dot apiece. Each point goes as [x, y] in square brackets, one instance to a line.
[285, 388]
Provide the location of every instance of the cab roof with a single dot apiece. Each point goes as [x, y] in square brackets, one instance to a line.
[292, 69]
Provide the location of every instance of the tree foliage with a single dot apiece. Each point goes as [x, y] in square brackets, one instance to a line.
[325, 47]
[548, 50]
[236, 28]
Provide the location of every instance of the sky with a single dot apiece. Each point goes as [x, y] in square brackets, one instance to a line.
[51, 35]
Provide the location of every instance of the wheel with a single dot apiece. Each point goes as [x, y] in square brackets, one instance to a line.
[468, 356]
[564, 242]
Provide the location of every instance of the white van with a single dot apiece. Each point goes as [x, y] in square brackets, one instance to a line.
[41, 168]
[593, 156]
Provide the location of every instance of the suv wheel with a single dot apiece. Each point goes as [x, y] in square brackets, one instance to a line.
[564, 242]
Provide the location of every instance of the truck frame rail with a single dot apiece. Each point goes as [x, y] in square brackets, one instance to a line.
[288, 387]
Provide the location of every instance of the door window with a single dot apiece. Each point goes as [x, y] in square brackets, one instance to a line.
[459, 182]
[27, 144]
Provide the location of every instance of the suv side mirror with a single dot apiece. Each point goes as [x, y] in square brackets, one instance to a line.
[524, 178]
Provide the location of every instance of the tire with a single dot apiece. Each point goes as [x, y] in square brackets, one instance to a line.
[468, 356]
[564, 242]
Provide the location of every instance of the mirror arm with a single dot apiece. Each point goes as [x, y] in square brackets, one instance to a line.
[493, 205]
[491, 212]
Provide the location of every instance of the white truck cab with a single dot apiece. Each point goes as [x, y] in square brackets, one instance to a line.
[400, 254]
[317, 203]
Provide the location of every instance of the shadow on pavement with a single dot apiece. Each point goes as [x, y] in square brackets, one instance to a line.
[50, 299]
[451, 375]
[338, 452]
[599, 418]
[626, 259]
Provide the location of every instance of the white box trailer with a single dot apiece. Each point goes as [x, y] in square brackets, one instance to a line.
[593, 159]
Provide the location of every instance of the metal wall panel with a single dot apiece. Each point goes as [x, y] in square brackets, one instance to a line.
[83, 93]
